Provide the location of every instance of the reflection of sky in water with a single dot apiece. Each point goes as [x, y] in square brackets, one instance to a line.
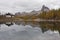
[27, 32]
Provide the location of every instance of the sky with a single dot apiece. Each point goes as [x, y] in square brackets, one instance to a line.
[27, 5]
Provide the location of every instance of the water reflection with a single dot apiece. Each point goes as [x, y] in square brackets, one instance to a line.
[30, 31]
[45, 26]
[53, 26]
[8, 23]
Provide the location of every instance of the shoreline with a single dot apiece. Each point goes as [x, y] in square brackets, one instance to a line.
[32, 20]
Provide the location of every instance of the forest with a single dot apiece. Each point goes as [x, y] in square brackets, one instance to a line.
[51, 14]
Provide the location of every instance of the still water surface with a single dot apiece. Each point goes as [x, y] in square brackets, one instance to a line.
[30, 31]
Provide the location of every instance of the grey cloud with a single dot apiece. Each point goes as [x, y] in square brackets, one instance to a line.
[26, 5]
[27, 32]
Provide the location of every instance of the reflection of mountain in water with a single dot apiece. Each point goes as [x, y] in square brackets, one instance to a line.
[45, 26]
[34, 24]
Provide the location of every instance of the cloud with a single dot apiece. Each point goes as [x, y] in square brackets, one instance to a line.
[26, 5]
[27, 32]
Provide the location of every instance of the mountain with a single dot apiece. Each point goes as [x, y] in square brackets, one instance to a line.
[44, 8]
[33, 12]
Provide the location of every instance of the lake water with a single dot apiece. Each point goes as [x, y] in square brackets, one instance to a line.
[30, 31]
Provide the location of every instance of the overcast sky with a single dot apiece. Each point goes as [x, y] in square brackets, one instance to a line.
[26, 5]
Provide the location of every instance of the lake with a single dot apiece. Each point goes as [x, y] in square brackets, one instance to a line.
[30, 31]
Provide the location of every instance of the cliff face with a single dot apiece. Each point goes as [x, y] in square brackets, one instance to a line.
[44, 8]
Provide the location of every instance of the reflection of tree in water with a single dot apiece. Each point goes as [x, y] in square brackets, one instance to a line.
[0, 26]
[54, 26]
[45, 26]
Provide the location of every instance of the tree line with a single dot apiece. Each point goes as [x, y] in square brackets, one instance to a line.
[51, 14]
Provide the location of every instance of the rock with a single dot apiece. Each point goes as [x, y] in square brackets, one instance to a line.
[44, 8]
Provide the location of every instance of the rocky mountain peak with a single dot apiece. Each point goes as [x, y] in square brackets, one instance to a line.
[44, 8]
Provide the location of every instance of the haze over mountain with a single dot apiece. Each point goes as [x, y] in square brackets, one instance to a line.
[26, 5]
